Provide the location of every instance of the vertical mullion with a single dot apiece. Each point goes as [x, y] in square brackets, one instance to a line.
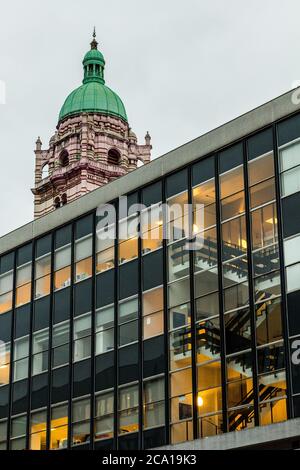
[93, 329]
[220, 286]
[12, 348]
[192, 304]
[71, 336]
[282, 276]
[251, 286]
[116, 327]
[30, 357]
[165, 307]
[48, 427]
[140, 333]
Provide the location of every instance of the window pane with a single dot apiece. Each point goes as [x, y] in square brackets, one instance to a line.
[177, 217]
[152, 228]
[128, 310]
[292, 250]
[262, 193]
[206, 282]
[293, 277]
[289, 156]
[82, 326]
[207, 306]
[154, 415]
[62, 278]
[154, 390]
[268, 322]
[153, 325]
[234, 238]
[128, 333]
[232, 194]
[6, 283]
[178, 260]
[153, 301]
[180, 349]
[40, 341]
[105, 318]
[83, 248]
[81, 410]
[18, 426]
[237, 331]
[208, 342]
[290, 181]
[264, 226]
[105, 260]
[5, 302]
[105, 341]
[205, 254]
[42, 266]
[128, 409]
[21, 348]
[261, 169]
[23, 294]
[266, 260]
[83, 269]
[24, 275]
[62, 258]
[179, 316]
[128, 250]
[40, 363]
[81, 433]
[267, 286]
[42, 286]
[61, 334]
[179, 292]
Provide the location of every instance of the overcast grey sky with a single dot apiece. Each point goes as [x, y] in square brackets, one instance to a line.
[180, 67]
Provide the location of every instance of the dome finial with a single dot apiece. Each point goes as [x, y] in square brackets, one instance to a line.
[94, 43]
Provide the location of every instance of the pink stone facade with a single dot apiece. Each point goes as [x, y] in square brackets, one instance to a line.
[87, 151]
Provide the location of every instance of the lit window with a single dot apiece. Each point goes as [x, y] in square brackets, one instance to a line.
[178, 217]
[105, 248]
[232, 193]
[4, 363]
[152, 228]
[38, 430]
[6, 286]
[62, 268]
[153, 317]
[59, 427]
[23, 291]
[83, 258]
[128, 239]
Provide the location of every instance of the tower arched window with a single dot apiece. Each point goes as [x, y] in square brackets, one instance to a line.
[64, 158]
[57, 203]
[113, 157]
[64, 199]
[45, 171]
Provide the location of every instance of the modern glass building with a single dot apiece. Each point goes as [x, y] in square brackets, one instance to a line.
[141, 342]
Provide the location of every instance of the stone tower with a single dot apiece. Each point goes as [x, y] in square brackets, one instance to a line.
[93, 143]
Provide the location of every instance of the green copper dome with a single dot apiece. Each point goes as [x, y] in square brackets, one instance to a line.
[93, 95]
